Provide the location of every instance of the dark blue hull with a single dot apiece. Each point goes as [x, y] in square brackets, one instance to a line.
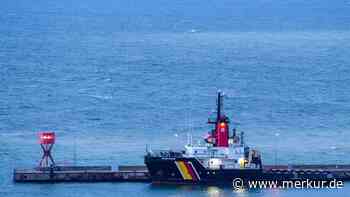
[166, 170]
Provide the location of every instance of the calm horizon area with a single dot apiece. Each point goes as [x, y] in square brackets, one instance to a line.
[110, 77]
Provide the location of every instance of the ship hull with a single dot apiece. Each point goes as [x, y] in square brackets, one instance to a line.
[190, 171]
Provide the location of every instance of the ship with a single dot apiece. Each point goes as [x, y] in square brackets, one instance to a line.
[222, 158]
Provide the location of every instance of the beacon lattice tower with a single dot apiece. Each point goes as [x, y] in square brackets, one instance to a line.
[46, 141]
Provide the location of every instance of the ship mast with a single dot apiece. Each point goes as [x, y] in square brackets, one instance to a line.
[219, 105]
[218, 109]
[220, 133]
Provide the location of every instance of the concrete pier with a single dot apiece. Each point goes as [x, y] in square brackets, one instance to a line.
[323, 172]
[82, 174]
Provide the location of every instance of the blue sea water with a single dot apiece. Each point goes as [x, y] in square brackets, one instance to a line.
[111, 76]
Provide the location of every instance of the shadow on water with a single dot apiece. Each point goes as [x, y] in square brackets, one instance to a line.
[218, 191]
[203, 190]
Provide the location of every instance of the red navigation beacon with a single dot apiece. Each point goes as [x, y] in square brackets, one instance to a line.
[47, 138]
[46, 141]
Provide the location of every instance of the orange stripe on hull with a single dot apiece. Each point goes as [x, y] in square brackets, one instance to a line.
[190, 170]
[184, 170]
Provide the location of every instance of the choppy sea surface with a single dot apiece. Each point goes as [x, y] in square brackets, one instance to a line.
[110, 77]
